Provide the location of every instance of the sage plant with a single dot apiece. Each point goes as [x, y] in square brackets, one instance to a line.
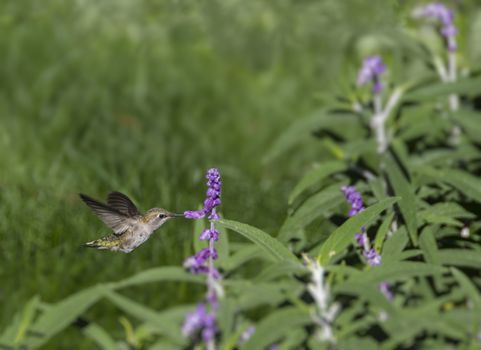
[203, 320]
[370, 72]
[444, 17]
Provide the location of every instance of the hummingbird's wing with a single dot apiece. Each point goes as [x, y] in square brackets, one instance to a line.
[122, 203]
[111, 217]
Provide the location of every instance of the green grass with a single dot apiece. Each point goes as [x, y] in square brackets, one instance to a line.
[142, 97]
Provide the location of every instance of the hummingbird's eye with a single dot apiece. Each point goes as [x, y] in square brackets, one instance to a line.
[161, 216]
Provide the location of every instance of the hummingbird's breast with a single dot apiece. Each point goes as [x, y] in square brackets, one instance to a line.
[137, 235]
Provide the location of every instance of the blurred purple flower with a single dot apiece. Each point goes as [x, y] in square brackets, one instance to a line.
[372, 257]
[203, 262]
[200, 321]
[247, 334]
[445, 16]
[372, 68]
[212, 199]
[385, 288]
[196, 263]
[354, 198]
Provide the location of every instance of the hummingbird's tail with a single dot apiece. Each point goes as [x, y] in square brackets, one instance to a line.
[102, 243]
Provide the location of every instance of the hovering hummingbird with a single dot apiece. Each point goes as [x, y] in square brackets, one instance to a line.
[130, 228]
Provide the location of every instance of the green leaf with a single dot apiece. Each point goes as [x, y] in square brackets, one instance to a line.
[468, 184]
[407, 204]
[267, 243]
[394, 271]
[166, 322]
[15, 333]
[471, 86]
[280, 269]
[394, 245]
[301, 129]
[62, 314]
[166, 273]
[316, 175]
[276, 326]
[382, 232]
[319, 204]
[444, 213]
[460, 257]
[245, 254]
[429, 246]
[344, 234]
[100, 337]
[469, 121]
[469, 288]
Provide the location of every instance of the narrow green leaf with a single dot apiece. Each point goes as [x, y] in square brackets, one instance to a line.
[283, 268]
[100, 337]
[466, 183]
[303, 127]
[316, 175]
[469, 288]
[62, 314]
[470, 86]
[266, 242]
[382, 232]
[276, 326]
[15, 333]
[429, 246]
[344, 234]
[165, 273]
[319, 204]
[460, 257]
[165, 322]
[407, 204]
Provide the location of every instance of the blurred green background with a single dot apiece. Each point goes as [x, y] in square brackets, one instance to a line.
[142, 97]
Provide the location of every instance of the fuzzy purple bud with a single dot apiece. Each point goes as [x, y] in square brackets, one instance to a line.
[200, 321]
[385, 288]
[371, 70]
[372, 257]
[445, 16]
[210, 233]
[354, 198]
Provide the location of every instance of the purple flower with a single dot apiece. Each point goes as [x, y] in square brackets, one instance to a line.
[196, 263]
[385, 288]
[247, 334]
[212, 199]
[445, 16]
[372, 68]
[361, 239]
[373, 258]
[199, 321]
[354, 198]
[210, 233]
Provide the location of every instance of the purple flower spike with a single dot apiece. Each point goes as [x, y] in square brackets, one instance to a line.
[210, 233]
[385, 288]
[354, 198]
[371, 70]
[199, 321]
[373, 258]
[361, 239]
[212, 199]
[439, 12]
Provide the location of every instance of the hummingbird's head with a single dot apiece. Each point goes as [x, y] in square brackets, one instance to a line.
[155, 217]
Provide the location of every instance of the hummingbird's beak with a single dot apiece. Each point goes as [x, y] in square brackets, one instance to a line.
[177, 214]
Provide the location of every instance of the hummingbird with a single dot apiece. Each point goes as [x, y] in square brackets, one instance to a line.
[130, 228]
